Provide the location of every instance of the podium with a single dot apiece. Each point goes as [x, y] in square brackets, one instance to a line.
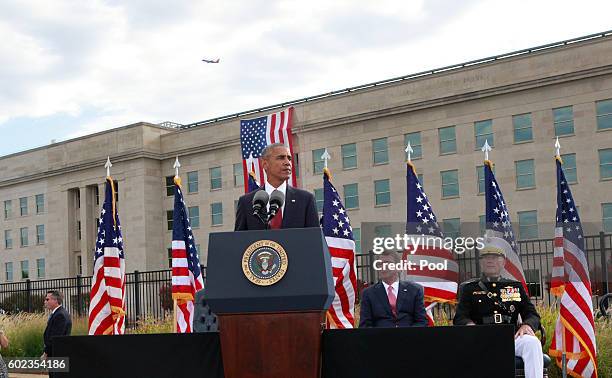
[270, 290]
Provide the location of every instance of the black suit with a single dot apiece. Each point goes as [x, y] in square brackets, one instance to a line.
[59, 324]
[376, 310]
[300, 211]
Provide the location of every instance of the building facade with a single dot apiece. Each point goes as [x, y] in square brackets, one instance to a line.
[519, 103]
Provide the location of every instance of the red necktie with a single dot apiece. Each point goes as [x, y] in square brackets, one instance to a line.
[392, 300]
[275, 223]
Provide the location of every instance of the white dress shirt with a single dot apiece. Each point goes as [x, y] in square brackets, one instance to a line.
[282, 189]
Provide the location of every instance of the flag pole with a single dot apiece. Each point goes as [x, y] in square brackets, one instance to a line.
[486, 148]
[326, 156]
[409, 152]
[563, 352]
[176, 167]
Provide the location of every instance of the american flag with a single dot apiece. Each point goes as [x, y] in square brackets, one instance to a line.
[186, 272]
[499, 231]
[256, 134]
[107, 297]
[339, 237]
[438, 285]
[574, 327]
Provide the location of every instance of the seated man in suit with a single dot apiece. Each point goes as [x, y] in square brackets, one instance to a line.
[392, 303]
[492, 299]
[298, 210]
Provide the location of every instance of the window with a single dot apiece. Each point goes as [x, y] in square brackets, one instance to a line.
[528, 224]
[415, 143]
[525, 176]
[605, 164]
[380, 151]
[169, 257]
[357, 237]
[215, 178]
[450, 183]
[194, 216]
[606, 209]
[317, 161]
[23, 206]
[169, 186]
[349, 156]
[25, 269]
[382, 192]
[483, 130]
[77, 198]
[97, 194]
[522, 128]
[116, 186]
[382, 231]
[170, 219]
[8, 209]
[604, 114]
[532, 278]
[23, 232]
[40, 268]
[296, 164]
[482, 224]
[8, 268]
[192, 182]
[480, 173]
[451, 227]
[319, 196]
[8, 239]
[238, 177]
[40, 203]
[569, 168]
[40, 234]
[351, 196]
[448, 140]
[79, 230]
[216, 213]
[79, 262]
[563, 119]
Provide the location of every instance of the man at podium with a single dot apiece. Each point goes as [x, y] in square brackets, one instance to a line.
[297, 207]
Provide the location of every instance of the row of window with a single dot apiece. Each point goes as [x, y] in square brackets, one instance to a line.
[25, 270]
[380, 154]
[216, 215]
[24, 236]
[23, 206]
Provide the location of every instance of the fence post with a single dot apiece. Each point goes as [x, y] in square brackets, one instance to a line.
[79, 295]
[370, 263]
[137, 293]
[29, 294]
[604, 262]
[477, 261]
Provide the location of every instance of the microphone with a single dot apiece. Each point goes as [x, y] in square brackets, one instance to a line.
[277, 198]
[260, 200]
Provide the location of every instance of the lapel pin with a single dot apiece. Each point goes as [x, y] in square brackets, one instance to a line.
[405, 289]
[292, 200]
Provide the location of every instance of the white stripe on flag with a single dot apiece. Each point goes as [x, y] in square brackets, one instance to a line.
[178, 244]
[179, 262]
[180, 280]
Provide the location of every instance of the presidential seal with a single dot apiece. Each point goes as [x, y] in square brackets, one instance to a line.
[264, 262]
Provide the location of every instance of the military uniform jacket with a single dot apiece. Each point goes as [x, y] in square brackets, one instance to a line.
[499, 302]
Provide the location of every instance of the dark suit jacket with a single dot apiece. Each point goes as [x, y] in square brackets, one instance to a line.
[59, 324]
[299, 212]
[376, 310]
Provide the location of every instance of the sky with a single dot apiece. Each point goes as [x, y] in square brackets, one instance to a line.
[72, 68]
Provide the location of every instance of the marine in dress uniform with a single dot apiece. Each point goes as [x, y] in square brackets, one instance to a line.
[493, 299]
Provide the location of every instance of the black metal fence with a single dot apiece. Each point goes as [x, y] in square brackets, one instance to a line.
[149, 294]
[536, 257]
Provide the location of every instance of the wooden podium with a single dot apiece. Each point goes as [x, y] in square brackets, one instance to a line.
[270, 329]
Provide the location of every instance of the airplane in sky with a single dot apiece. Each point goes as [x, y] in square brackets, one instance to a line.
[210, 60]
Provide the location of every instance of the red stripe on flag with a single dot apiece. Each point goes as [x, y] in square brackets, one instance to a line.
[180, 271]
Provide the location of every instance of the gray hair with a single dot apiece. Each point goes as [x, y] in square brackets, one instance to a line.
[57, 295]
[268, 149]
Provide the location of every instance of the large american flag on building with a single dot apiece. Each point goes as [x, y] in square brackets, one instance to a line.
[499, 230]
[186, 271]
[338, 234]
[575, 323]
[256, 134]
[107, 296]
[438, 285]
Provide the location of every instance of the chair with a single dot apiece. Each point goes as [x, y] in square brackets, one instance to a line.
[519, 365]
